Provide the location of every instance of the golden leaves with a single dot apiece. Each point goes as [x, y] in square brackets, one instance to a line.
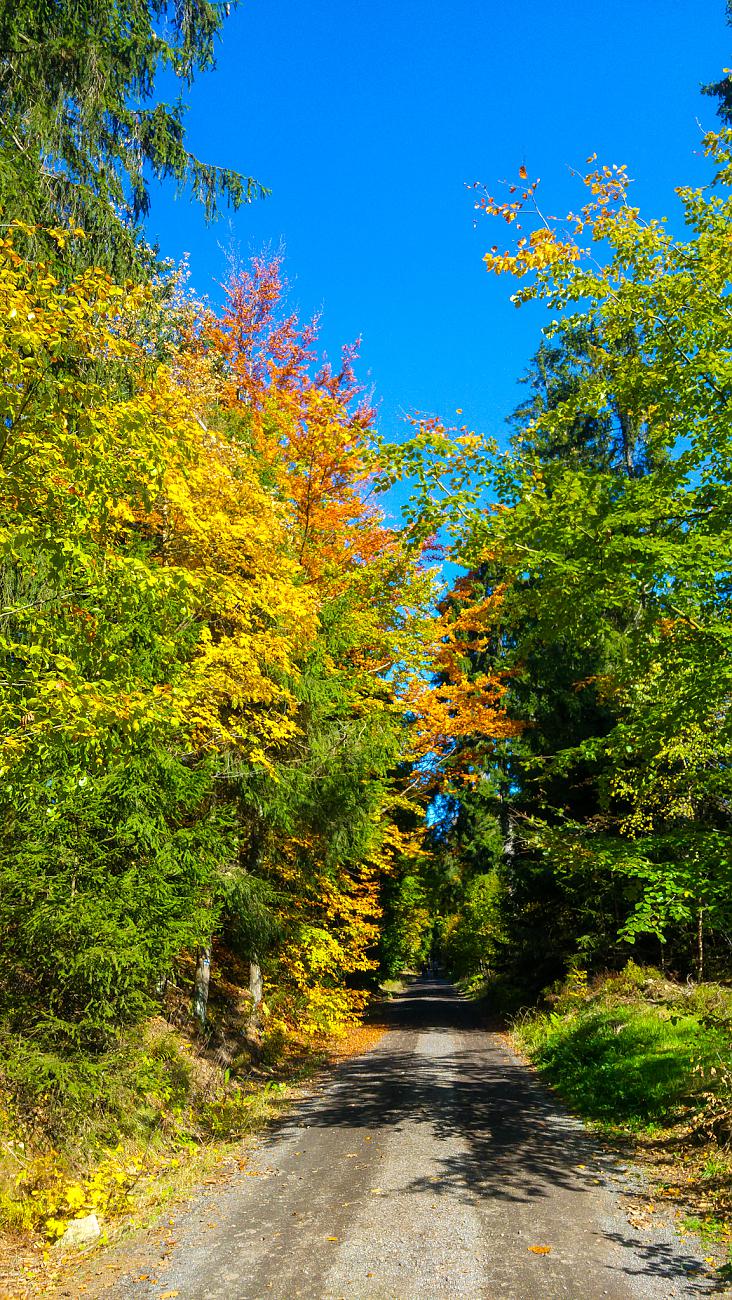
[541, 250]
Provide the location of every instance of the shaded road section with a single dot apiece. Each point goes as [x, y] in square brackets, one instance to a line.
[432, 1167]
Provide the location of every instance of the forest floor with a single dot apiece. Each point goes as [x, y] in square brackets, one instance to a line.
[436, 1164]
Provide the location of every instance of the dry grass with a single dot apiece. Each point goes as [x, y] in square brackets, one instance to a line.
[29, 1267]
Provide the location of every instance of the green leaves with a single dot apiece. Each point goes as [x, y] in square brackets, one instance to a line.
[611, 541]
[105, 878]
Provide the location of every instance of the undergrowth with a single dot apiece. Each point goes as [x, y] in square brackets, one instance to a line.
[634, 1049]
[113, 1133]
[648, 1059]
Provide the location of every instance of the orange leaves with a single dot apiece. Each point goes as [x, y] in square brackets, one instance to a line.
[541, 249]
[462, 708]
[508, 211]
[311, 431]
[313, 619]
[608, 184]
[551, 245]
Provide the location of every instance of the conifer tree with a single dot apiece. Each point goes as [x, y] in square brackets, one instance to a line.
[81, 128]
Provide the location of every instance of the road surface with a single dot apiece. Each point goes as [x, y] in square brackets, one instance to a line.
[427, 1169]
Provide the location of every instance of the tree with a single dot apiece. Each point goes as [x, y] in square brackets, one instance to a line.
[326, 832]
[145, 573]
[613, 557]
[81, 130]
[723, 89]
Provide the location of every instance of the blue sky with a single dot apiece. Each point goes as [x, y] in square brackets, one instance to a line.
[366, 121]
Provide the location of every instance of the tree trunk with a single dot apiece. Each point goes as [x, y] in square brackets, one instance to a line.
[200, 986]
[700, 944]
[505, 820]
[255, 983]
[629, 438]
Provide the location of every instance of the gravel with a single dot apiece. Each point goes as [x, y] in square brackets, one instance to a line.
[434, 1166]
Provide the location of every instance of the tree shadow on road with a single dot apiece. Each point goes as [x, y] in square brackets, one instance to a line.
[506, 1138]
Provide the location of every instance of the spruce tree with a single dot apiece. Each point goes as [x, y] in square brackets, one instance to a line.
[81, 128]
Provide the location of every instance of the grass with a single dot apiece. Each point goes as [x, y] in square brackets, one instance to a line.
[628, 1066]
[648, 1060]
[633, 1050]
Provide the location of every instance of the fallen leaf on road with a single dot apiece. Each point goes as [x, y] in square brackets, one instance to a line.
[540, 1250]
[376, 1191]
[637, 1216]
[331, 1239]
[168, 1295]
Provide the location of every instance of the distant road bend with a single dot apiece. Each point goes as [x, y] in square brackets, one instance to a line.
[424, 1170]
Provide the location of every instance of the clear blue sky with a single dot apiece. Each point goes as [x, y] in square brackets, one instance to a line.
[367, 119]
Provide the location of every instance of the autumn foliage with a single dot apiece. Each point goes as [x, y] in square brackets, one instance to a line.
[214, 645]
[460, 713]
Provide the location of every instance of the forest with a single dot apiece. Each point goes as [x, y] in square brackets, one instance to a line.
[259, 754]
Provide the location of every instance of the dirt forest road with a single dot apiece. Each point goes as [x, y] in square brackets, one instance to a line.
[426, 1169]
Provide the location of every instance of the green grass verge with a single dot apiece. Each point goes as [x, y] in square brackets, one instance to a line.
[632, 1050]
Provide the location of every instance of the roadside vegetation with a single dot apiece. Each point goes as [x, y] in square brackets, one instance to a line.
[130, 1131]
[648, 1061]
[591, 833]
[634, 1050]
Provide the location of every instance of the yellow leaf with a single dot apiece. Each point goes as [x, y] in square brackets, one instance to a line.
[75, 1196]
[540, 1250]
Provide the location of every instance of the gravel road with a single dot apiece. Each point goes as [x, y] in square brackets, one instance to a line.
[426, 1169]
